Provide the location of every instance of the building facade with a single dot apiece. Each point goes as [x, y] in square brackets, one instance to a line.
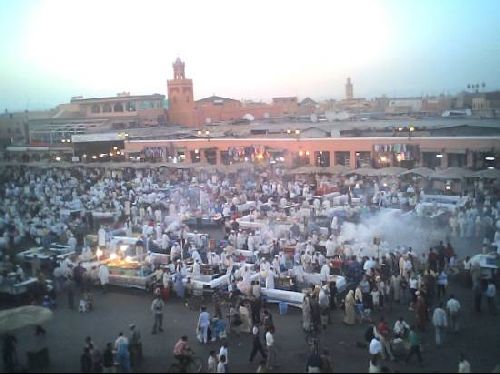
[351, 152]
[98, 115]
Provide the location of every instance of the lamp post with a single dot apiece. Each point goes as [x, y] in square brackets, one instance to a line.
[410, 130]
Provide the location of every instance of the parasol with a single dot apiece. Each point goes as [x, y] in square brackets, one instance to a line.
[17, 318]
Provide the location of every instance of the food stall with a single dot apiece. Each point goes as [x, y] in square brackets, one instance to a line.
[272, 295]
[60, 251]
[129, 273]
[436, 205]
[12, 286]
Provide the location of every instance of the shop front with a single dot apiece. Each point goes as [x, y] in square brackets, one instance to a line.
[400, 154]
[256, 154]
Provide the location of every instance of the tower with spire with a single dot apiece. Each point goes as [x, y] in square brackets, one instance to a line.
[349, 90]
[180, 96]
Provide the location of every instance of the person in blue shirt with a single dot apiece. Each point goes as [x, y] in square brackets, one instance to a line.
[203, 324]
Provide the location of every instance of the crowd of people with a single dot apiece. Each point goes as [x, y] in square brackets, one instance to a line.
[276, 233]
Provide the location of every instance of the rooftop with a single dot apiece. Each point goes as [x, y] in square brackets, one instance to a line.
[117, 98]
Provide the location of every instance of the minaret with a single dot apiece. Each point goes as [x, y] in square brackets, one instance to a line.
[348, 90]
[180, 96]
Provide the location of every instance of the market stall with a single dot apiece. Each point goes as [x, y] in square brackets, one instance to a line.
[12, 286]
[130, 273]
[45, 255]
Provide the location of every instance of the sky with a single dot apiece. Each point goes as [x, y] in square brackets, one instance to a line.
[51, 50]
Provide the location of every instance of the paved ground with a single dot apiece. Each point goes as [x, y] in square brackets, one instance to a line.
[115, 310]
[479, 339]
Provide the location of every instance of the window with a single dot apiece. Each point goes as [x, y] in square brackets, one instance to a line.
[211, 156]
[431, 159]
[322, 158]
[118, 107]
[342, 158]
[106, 108]
[457, 160]
[95, 108]
[195, 156]
[131, 107]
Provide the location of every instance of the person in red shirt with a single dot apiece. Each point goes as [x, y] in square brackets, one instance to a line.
[182, 351]
[384, 333]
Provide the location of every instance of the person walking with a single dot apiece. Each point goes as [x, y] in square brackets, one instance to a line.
[203, 324]
[122, 353]
[491, 292]
[440, 323]
[463, 364]
[314, 364]
[157, 307]
[221, 366]
[135, 344]
[453, 308]
[384, 333]
[212, 362]
[442, 283]
[224, 352]
[271, 352]
[349, 306]
[257, 344]
[421, 315]
[414, 341]
[108, 361]
[86, 361]
[375, 348]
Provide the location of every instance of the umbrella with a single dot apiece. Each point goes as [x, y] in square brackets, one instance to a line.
[364, 172]
[452, 173]
[422, 172]
[487, 173]
[17, 318]
[392, 171]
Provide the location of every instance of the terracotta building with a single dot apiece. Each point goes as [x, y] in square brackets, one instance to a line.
[184, 110]
[353, 152]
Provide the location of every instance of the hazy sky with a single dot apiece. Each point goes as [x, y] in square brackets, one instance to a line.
[258, 49]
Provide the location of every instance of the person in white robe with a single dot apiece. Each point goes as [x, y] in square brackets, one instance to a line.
[101, 234]
[270, 278]
[325, 272]
[103, 276]
[196, 270]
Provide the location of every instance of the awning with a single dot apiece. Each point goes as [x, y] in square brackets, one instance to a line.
[38, 149]
[423, 172]
[452, 173]
[106, 137]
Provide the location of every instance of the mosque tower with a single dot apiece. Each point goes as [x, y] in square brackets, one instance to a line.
[180, 96]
